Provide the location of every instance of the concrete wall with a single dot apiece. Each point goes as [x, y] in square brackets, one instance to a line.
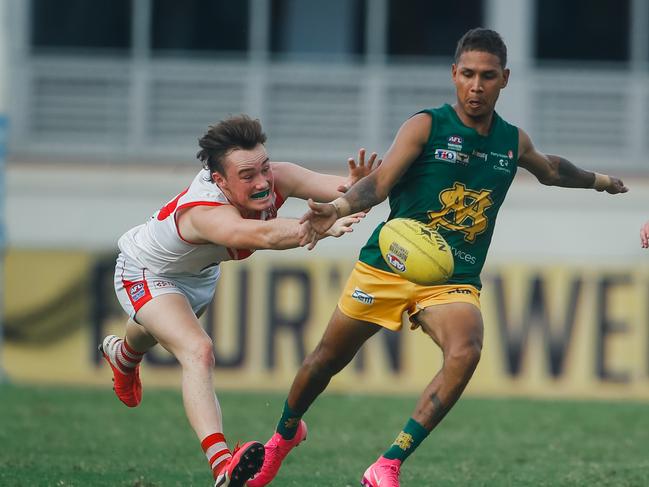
[75, 207]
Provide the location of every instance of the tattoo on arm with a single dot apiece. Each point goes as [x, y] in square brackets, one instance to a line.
[570, 176]
[363, 195]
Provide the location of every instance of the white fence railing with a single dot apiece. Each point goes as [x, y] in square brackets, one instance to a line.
[88, 109]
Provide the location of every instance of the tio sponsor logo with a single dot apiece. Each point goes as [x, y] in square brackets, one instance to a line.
[445, 155]
[395, 262]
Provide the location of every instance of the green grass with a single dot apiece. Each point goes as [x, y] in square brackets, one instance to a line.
[85, 437]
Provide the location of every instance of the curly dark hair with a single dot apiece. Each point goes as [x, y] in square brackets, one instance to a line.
[485, 40]
[238, 132]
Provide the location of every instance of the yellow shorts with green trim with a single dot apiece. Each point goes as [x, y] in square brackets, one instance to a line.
[381, 297]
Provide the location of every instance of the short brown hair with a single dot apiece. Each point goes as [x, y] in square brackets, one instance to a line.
[238, 132]
[485, 40]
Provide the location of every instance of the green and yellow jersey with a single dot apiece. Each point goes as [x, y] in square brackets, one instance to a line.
[456, 185]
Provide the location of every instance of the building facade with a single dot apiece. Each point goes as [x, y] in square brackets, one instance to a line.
[127, 80]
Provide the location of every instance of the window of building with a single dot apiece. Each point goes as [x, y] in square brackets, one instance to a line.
[308, 29]
[425, 28]
[582, 30]
[200, 25]
[81, 24]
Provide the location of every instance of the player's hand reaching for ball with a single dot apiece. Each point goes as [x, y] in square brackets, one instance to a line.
[307, 234]
[359, 170]
[644, 235]
[321, 216]
[344, 225]
[339, 228]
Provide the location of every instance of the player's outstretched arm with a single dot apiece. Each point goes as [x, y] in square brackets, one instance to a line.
[296, 181]
[338, 229]
[557, 171]
[644, 235]
[374, 188]
[224, 225]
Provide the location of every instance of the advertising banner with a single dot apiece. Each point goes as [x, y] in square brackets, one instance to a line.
[560, 331]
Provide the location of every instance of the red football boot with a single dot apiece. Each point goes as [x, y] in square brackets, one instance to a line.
[382, 473]
[126, 384]
[245, 462]
[276, 450]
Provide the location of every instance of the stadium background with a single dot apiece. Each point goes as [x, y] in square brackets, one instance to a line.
[105, 101]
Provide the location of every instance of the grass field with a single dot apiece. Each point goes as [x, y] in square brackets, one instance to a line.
[85, 437]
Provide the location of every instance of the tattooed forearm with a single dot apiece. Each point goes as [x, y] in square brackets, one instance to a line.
[570, 176]
[363, 195]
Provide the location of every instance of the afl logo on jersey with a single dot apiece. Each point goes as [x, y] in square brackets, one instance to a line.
[445, 155]
[455, 142]
[137, 291]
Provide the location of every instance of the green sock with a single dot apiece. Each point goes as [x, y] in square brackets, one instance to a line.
[408, 440]
[288, 423]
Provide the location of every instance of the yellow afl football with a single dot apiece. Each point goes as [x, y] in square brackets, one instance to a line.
[416, 252]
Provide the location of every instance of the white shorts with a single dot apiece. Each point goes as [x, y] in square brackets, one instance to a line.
[136, 286]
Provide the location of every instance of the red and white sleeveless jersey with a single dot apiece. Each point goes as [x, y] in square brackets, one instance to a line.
[159, 247]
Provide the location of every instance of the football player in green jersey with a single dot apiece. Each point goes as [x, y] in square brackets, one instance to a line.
[449, 167]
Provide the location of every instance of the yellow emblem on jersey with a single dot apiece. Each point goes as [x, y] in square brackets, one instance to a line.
[404, 441]
[463, 211]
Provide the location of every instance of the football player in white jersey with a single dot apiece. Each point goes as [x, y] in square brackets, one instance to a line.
[167, 269]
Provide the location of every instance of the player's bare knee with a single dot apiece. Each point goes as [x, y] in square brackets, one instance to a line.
[467, 354]
[206, 353]
[323, 361]
[208, 360]
[318, 360]
[199, 353]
